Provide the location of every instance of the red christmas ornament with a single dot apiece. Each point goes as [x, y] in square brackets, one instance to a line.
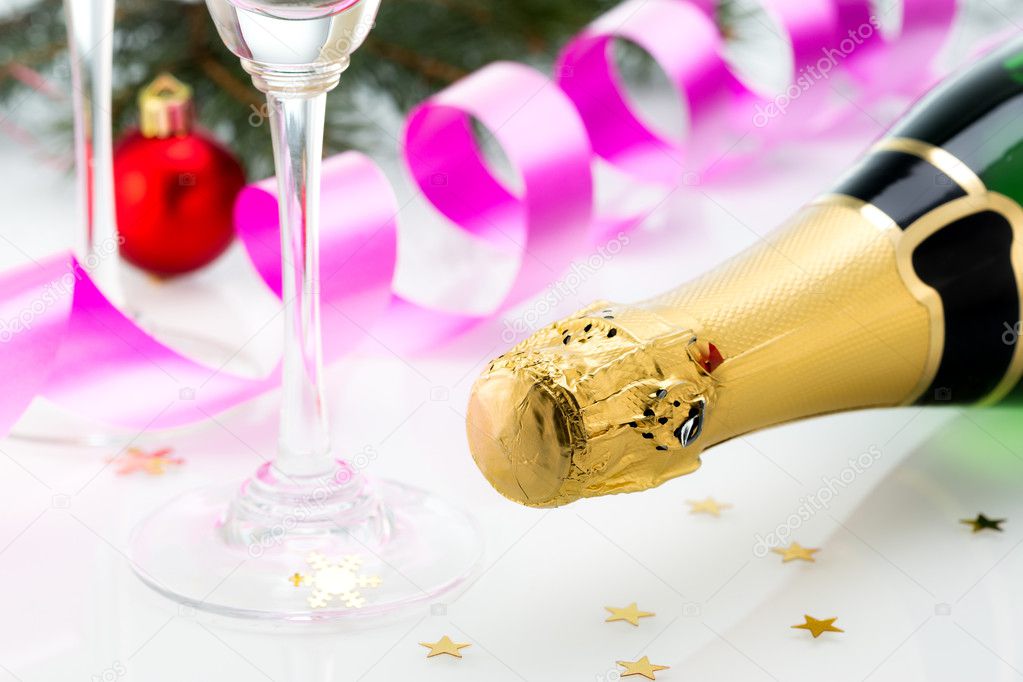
[174, 186]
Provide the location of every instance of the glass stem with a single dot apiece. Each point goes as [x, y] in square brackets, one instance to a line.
[90, 26]
[296, 122]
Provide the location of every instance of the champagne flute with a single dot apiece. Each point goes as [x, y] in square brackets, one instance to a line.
[90, 27]
[90, 30]
[307, 538]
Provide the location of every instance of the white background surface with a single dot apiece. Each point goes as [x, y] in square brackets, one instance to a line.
[919, 596]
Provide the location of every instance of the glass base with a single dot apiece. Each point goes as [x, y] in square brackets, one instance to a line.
[396, 549]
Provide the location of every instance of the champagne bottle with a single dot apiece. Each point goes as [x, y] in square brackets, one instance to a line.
[900, 286]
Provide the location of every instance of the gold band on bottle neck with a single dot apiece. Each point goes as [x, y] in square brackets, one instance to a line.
[978, 198]
[941, 159]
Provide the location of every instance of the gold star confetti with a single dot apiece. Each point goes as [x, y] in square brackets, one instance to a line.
[338, 580]
[641, 667]
[983, 523]
[818, 627]
[707, 506]
[444, 645]
[153, 463]
[795, 551]
[297, 579]
[630, 613]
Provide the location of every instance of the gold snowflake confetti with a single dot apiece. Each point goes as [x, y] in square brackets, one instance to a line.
[337, 581]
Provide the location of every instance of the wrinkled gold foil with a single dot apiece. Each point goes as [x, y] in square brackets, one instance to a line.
[815, 319]
[561, 416]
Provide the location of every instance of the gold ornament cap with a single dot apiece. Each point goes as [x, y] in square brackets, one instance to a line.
[166, 108]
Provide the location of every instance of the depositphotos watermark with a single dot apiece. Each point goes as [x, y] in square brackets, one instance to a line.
[114, 671]
[609, 675]
[1012, 333]
[817, 501]
[56, 290]
[812, 74]
[539, 311]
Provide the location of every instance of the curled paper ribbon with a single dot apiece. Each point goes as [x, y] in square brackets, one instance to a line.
[34, 310]
[822, 35]
[545, 141]
[694, 66]
[73, 340]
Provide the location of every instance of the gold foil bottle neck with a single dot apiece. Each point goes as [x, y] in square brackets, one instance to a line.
[614, 399]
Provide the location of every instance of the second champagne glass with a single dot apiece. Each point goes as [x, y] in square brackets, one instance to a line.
[306, 537]
[90, 33]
